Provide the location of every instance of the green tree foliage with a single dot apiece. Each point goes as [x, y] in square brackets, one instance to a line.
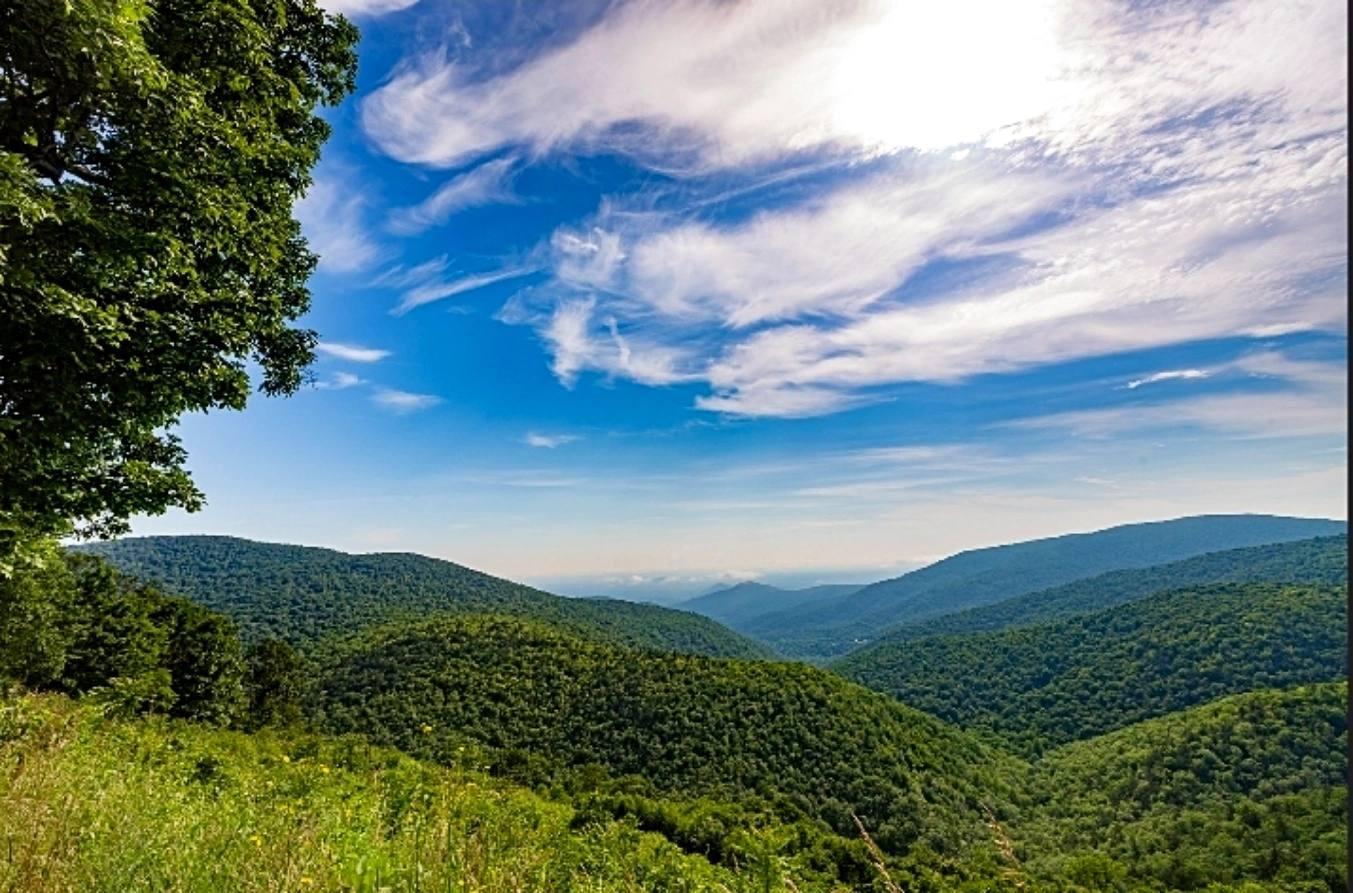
[1082, 676]
[300, 594]
[35, 599]
[81, 626]
[150, 154]
[688, 725]
[1319, 560]
[985, 576]
[275, 684]
[1249, 788]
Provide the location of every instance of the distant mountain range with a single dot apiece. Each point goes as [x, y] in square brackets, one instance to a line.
[746, 601]
[825, 628]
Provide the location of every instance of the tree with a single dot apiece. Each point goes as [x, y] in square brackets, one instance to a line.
[274, 684]
[150, 154]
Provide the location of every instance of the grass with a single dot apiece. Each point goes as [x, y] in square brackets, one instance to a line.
[91, 804]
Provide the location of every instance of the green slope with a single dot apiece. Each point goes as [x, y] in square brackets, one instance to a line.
[985, 576]
[1251, 787]
[302, 594]
[688, 725]
[738, 605]
[1319, 560]
[1082, 676]
[93, 805]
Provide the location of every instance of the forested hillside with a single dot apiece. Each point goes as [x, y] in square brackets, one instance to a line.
[821, 746]
[740, 604]
[1044, 685]
[984, 576]
[1320, 560]
[1251, 787]
[301, 594]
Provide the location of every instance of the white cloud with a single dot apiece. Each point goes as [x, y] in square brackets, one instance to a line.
[548, 441]
[1168, 375]
[332, 216]
[353, 353]
[737, 82]
[1309, 402]
[484, 185]
[1133, 176]
[365, 8]
[429, 282]
[402, 402]
[340, 381]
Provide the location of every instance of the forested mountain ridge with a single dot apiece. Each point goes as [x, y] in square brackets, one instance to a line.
[301, 593]
[689, 725]
[737, 605]
[984, 576]
[1213, 794]
[1043, 685]
[1318, 560]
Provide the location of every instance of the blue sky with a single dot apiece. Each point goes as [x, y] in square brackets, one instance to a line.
[626, 294]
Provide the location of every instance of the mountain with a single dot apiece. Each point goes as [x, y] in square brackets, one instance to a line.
[1319, 560]
[737, 605]
[985, 576]
[301, 594]
[1247, 788]
[687, 725]
[1044, 685]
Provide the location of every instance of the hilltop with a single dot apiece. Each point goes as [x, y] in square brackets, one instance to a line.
[301, 594]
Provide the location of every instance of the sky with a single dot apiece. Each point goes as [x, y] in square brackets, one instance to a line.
[624, 295]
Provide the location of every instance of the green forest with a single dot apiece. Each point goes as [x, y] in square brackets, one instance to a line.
[1038, 686]
[300, 594]
[1198, 755]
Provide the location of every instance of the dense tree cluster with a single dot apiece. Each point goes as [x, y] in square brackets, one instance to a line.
[300, 594]
[1042, 685]
[827, 748]
[1248, 788]
[74, 624]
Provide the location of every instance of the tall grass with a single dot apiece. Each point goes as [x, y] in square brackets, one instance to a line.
[93, 804]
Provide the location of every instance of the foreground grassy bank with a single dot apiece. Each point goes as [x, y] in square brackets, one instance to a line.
[89, 803]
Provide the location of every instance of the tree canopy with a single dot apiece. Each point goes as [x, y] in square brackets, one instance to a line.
[150, 155]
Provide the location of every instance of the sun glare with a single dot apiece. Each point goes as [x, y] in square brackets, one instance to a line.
[933, 75]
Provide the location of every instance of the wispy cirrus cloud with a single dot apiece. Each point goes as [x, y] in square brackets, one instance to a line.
[730, 83]
[1168, 375]
[433, 280]
[403, 402]
[1076, 179]
[353, 353]
[1309, 400]
[333, 217]
[548, 441]
[487, 184]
